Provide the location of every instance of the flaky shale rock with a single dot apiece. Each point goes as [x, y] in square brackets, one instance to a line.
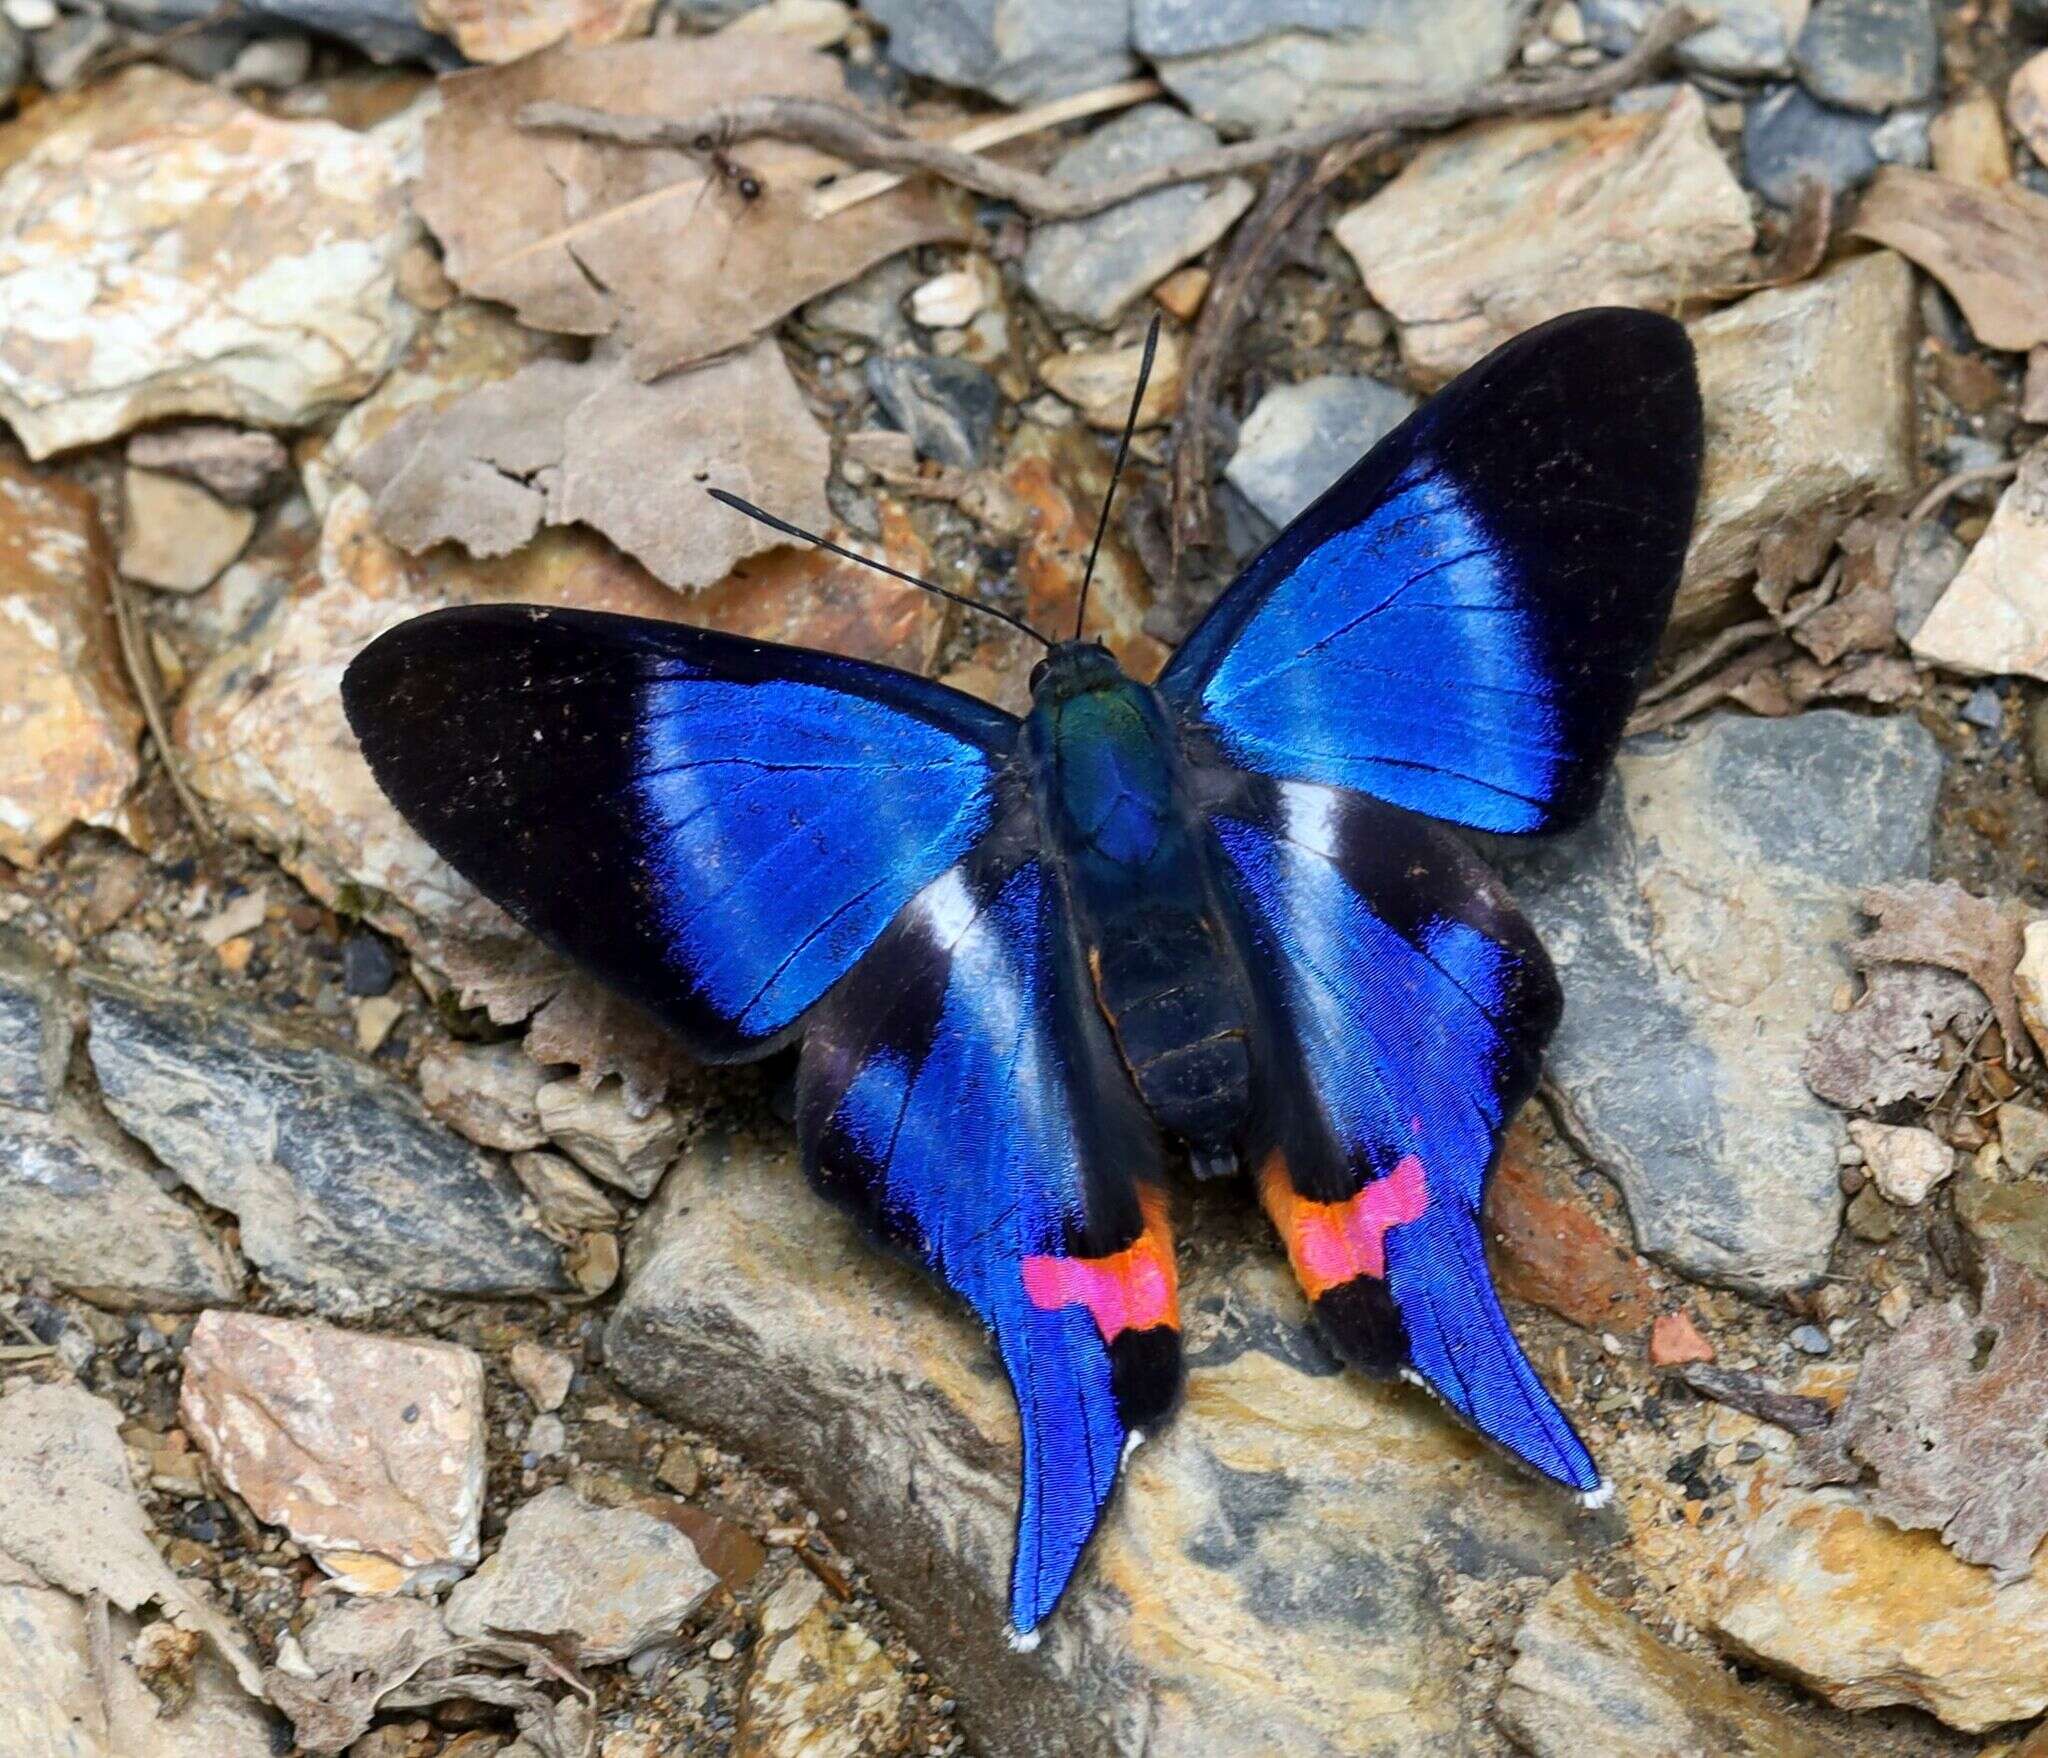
[349, 1193]
[1589, 1681]
[1505, 224]
[1993, 619]
[165, 249]
[1817, 1587]
[1808, 394]
[81, 1205]
[1696, 925]
[600, 1583]
[1272, 1576]
[68, 720]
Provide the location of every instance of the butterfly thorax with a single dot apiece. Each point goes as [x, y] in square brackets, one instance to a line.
[1129, 851]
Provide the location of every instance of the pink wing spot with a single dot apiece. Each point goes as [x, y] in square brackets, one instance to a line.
[1128, 1292]
[1338, 1241]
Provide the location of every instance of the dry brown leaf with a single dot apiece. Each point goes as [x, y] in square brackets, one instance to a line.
[585, 442]
[1951, 1414]
[68, 1511]
[574, 1018]
[1943, 925]
[1986, 246]
[1886, 1050]
[656, 247]
[504, 30]
[1859, 621]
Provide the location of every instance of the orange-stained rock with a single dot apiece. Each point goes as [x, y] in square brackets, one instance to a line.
[68, 721]
[504, 30]
[1813, 1585]
[1675, 1339]
[358, 1446]
[1547, 1247]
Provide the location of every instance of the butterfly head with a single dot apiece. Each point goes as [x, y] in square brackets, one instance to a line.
[1074, 668]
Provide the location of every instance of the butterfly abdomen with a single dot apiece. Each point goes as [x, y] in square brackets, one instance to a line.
[1128, 847]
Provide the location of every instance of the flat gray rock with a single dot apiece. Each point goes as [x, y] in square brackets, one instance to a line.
[1749, 39]
[385, 30]
[1301, 438]
[1021, 51]
[1294, 1525]
[35, 1025]
[348, 1191]
[1870, 54]
[1697, 924]
[1258, 66]
[1093, 268]
[81, 1205]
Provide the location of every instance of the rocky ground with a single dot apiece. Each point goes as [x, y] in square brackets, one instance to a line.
[402, 1354]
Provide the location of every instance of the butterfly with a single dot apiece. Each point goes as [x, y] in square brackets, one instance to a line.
[1029, 964]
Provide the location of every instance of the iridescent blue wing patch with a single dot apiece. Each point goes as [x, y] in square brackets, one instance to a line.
[1461, 623]
[719, 828]
[960, 1096]
[1406, 1004]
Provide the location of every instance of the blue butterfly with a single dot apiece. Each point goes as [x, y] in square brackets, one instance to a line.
[1026, 961]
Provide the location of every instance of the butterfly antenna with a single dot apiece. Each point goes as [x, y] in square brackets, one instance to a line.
[1123, 451]
[825, 543]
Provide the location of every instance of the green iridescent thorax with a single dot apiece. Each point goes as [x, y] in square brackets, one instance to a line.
[1104, 768]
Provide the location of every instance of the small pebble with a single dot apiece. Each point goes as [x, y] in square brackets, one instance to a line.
[1812, 1340]
[31, 15]
[1895, 1307]
[1985, 708]
[546, 1437]
[367, 967]
[722, 1650]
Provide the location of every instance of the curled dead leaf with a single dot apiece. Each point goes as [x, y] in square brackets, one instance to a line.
[666, 250]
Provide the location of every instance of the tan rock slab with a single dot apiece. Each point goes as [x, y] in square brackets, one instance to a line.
[597, 1130]
[1968, 139]
[69, 1514]
[1100, 382]
[1907, 1163]
[165, 249]
[68, 720]
[604, 1582]
[1809, 402]
[544, 1375]
[1505, 224]
[488, 1092]
[821, 1686]
[1817, 1587]
[54, 1702]
[1251, 1545]
[175, 535]
[353, 1444]
[1993, 619]
[1590, 1681]
[503, 30]
[2026, 104]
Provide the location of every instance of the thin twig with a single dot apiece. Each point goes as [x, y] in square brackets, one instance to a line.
[1293, 187]
[991, 131]
[850, 134]
[1738, 671]
[142, 674]
[1706, 658]
[1932, 501]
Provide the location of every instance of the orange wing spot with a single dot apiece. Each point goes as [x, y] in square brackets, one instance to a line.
[1130, 1290]
[1331, 1243]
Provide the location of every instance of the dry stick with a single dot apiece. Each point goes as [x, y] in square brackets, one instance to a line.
[1716, 688]
[849, 134]
[142, 673]
[992, 131]
[1291, 189]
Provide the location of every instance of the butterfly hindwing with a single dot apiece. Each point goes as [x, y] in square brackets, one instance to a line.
[1461, 623]
[958, 1098]
[1407, 1003]
[717, 827]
